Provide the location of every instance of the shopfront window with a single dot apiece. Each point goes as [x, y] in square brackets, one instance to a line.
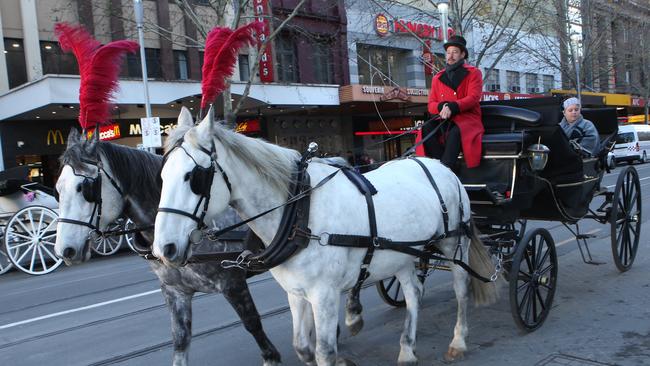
[287, 60]
[55, 61]
[153, 64]
[15, 56]
[381, 65]
[491, 81]
[244, 68]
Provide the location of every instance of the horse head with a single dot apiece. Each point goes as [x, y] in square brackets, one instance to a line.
[195, 188]
[89, 198]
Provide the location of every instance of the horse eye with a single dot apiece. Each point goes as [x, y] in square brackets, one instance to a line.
[79, 187]
[187, 176]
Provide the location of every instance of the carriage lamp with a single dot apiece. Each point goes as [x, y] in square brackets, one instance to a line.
[538, 156]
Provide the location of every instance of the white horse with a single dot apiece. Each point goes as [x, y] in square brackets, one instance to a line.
[259, 174]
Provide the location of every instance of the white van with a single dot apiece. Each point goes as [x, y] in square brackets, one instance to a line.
[632, 143]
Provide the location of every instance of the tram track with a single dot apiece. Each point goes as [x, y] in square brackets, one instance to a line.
[59, 332]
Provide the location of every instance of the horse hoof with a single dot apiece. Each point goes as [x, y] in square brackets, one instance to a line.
[356, 327]
[345, 362]
[454, 354]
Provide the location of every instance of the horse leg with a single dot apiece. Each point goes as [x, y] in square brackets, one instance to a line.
[457, 347]
[353, 308]
[180, 307]
[412, 288]
[325, 307]
[241, 300]
[303, 325]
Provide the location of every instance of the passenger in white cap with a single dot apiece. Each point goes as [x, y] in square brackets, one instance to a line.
[579, 130]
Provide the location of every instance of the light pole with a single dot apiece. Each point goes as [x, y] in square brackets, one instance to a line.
[575, 42]
[443, 9]
[139, 15]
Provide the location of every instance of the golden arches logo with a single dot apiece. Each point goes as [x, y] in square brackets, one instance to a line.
[55, 137]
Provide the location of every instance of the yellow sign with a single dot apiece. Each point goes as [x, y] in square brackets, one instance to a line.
[609, 98]
[54, 137]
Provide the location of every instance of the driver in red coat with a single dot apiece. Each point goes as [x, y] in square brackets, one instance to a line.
[455, 95]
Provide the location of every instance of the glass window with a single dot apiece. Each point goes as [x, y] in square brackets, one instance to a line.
[531, 83]
[549, 82]
[322, 61]
[244, 68]
[153, 63]
[287, 60]
[16, 67]
[491, 81]
[381, 65]
[180, 65]
[55, 61]
[512, 78]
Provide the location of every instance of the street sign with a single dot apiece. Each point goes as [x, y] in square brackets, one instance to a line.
[151, 132]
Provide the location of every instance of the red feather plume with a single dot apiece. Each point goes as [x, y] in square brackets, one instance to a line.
[99, 67]
[213, 43]
[224, 60]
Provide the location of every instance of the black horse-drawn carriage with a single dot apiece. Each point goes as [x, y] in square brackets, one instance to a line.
[512, 185]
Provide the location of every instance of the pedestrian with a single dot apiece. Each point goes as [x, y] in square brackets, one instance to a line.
[581, 132]
[455, 95]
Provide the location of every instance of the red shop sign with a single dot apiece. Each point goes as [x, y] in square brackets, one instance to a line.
[261, 9]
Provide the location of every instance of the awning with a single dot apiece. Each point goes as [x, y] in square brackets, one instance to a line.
[598, 98]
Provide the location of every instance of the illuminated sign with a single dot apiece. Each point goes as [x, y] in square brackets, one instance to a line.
[106, 133]
[382, 25]
[135, 129]
[248, 126]
[261, 9]
[54, 137]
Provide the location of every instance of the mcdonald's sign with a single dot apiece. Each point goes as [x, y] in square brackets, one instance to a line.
[55, 137]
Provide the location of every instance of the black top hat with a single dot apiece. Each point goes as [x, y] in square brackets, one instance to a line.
[459, 42]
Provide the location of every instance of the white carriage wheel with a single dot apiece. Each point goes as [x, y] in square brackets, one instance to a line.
[29, 240]
[129, 238]
[109, 245]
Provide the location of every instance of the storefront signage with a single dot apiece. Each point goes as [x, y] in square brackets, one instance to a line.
[492, 96]
[135, 129]
[384, 26]
[261, 9]
[55, 137]
[638, 102]
[368, 89]
[110, 132]
[389, 94]
[248, 126]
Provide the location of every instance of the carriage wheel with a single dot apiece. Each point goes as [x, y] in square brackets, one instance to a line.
[625, 218]
[390, 291]
[5, 263]
[109, 245]
[533, 279]
[29, 240]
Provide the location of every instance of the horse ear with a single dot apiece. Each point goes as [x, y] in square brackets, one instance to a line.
[185, 118]
[206, 125]
[74, 137]
[91, 144]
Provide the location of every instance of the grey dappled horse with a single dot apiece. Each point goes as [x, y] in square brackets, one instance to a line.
[135, 173]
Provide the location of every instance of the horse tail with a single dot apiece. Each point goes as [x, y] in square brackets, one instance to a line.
[484, 293]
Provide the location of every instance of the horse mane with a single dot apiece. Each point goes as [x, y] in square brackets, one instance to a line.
[276, 164]
[175, 135]
[123, 162]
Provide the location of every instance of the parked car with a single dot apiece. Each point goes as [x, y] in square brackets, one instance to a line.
[611, 160]
[632, 144]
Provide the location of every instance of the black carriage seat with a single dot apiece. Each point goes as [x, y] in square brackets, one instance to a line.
[507, 118]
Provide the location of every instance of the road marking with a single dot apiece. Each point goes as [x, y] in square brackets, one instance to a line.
[53, 315]
[572, 238]
[614, 185]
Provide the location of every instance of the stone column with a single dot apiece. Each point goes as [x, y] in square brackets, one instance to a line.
[33, 61]
[4, 73]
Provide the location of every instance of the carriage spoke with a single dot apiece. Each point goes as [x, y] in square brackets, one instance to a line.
[24, 253]
[31, 263]
[45, 230]
[397, 289]
[538, 255]
[523, 299]
[528, 305]
[541, 299]
[545, 270]
[31, 222]
[22, 244]
[534, 301]
[528, 261]
[22, 236]
[544, 257]
[390, 284]
[49, 253]
[523, 276]
[20, 222]
[522, 286]
[40, 255]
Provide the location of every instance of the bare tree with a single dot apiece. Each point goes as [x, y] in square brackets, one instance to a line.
[641, 84]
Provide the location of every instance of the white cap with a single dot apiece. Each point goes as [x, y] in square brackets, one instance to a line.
[569, 102]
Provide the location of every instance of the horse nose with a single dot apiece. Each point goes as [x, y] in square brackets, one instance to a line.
[69, 253]
[170, 251]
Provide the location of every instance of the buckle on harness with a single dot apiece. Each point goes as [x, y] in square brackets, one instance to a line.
[240, 262]
[375, 242]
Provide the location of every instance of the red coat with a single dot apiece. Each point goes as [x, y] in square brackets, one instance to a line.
[467, 112]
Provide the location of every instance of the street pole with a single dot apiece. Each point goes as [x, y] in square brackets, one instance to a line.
[139, 17]
[443, 9]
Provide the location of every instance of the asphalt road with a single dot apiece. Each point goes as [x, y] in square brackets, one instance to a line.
[110, 312]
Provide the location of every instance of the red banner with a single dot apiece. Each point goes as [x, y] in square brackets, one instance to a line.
[638, 102]
[261, 9]
[109, 132]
